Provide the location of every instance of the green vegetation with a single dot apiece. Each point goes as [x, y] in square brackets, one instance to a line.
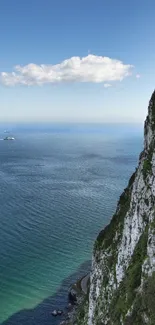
[147, 164]
[147, 167]
[144, 304]
[82, 311]
[106, 236]
[153, 111]
[82, 308]
[147, 202]
[126, 293]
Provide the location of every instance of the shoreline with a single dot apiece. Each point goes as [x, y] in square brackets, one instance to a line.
[77, 292]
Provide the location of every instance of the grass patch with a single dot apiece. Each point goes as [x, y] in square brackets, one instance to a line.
[147, 167]
[126, 293]
[106, 236]
[144, 304]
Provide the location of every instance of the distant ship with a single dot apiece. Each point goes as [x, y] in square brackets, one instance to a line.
[9, 138]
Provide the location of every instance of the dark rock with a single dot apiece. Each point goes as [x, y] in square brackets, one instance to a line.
[54, 312]
[72, 296]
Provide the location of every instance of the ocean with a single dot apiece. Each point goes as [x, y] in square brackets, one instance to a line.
[59, 187]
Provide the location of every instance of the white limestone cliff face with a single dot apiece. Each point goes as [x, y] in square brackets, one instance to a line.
[125, 251]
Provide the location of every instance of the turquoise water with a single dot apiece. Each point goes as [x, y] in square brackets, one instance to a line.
[59, 187]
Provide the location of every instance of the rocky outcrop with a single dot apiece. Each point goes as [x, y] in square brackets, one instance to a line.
[122, 283]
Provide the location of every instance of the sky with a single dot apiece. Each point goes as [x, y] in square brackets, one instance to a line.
[76, 61]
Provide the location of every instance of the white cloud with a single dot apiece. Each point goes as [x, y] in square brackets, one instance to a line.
[107, 85]
[138, 76]
[92, 68]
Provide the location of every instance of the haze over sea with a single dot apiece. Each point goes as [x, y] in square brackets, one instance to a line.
[59, 188]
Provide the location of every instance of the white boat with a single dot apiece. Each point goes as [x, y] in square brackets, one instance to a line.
[9, 138]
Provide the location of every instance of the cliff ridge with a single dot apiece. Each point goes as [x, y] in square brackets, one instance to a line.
[122, 281]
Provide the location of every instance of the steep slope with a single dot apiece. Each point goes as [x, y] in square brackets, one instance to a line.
[122, 284]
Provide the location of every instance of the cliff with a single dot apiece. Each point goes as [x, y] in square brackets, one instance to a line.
[122, 282]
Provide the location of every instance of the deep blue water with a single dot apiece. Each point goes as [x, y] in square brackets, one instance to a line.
[59, 187]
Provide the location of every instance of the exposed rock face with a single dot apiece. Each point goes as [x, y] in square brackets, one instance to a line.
[122, 285]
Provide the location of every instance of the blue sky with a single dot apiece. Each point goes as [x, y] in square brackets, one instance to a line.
[37, 35]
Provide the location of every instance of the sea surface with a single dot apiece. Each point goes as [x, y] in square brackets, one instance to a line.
[59, 185]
